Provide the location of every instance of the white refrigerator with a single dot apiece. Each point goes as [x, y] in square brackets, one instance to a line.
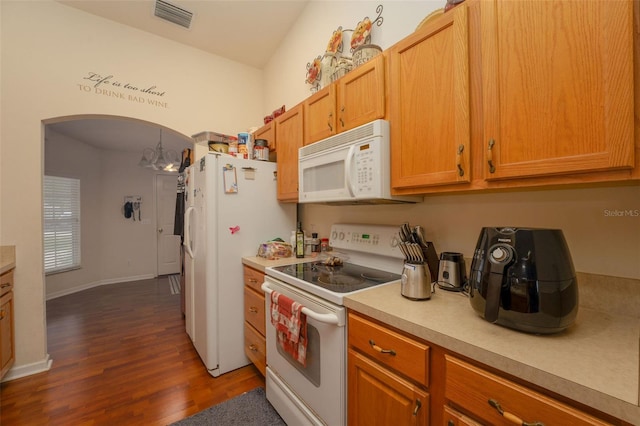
[234, 209]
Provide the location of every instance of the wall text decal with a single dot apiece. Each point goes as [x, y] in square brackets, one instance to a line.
[108, 85]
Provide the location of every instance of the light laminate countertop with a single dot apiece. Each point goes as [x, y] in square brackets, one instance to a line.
[260, 263]
[7, 258]
[596, 361]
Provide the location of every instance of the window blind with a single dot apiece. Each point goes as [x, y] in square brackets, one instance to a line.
[61, 223]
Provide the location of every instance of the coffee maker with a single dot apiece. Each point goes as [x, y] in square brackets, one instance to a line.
[523, 278]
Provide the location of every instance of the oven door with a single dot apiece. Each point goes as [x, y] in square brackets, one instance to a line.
[315, 392]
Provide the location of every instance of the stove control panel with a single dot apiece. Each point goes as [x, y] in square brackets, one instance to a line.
[373, 239]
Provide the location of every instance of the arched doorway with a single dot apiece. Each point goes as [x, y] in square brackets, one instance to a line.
[103, 152]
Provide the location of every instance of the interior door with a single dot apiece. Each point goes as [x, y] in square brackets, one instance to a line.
[168, 244]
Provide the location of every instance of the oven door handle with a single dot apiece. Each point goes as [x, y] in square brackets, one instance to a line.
[325, 318]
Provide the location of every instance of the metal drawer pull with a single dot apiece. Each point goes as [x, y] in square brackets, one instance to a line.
[253, 280]
[253, 309]
[418, 406]
[511, 417]
[382, 351]
[253, 348]
[329, 122]
[492, 168]
[459, 160]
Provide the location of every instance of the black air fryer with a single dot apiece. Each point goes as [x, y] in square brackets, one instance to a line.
[523, 278]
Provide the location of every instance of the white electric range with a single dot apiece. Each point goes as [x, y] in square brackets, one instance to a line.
[316, 393]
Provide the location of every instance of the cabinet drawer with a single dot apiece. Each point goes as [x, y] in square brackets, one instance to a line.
[253, 278]
[6, 282]
[254, 309]
[472, 388]
[396, 351]
[454, 418]
[255, 347]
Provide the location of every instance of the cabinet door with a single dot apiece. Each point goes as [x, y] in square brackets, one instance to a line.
[289, 134]
[378, 397]
[319, 115]
[429, 108]
[557, 87]
[455, 418]
[6, 333]
[361, 96]
[268, 133]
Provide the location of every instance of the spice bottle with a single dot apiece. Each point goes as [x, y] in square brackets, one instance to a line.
[324, 245]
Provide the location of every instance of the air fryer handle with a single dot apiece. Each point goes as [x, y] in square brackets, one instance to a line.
[492, 301]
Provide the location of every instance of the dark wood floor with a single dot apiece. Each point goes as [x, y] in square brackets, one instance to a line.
[120, 357]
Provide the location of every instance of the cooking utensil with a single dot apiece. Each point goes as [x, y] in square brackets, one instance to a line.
[403, 249]
[420, 236]
[415, 282]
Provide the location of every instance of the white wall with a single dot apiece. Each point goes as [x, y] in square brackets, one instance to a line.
[69, 158]
[600, 242]
[114, 248]
[285, 73]
[47, 51]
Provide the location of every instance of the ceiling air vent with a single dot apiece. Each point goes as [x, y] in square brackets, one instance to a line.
[173, 13]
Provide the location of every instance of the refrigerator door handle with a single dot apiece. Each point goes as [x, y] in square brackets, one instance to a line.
[187, 231]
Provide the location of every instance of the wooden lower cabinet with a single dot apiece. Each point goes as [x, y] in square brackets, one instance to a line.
[377, 396]
[395, 378]
[455, 418]
[495, 400]
[7, 345]
[254, 319]
[388, 376]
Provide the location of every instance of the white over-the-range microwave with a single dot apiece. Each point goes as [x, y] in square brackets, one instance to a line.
[352, 167]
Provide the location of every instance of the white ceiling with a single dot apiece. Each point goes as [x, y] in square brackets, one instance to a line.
[121, 134]
[245, 31]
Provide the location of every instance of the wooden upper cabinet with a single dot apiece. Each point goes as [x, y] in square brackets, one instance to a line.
[557, 82]
[361, 95]
[289, 134]
[320, 115]
[268, 133]
[353, 100]
[429, 106]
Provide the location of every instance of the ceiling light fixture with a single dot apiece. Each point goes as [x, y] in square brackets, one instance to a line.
[159, 158]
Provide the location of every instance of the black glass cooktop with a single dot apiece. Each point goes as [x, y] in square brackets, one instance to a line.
[344, 278]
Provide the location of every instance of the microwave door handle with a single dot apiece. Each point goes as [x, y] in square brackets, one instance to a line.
[348, 175]
[325, 318]
[187, 232]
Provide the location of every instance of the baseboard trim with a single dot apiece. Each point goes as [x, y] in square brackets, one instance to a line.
[76, 289]
[17, 372]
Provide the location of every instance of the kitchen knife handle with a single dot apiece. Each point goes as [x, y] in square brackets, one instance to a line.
[379, 349]
[511, 417]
